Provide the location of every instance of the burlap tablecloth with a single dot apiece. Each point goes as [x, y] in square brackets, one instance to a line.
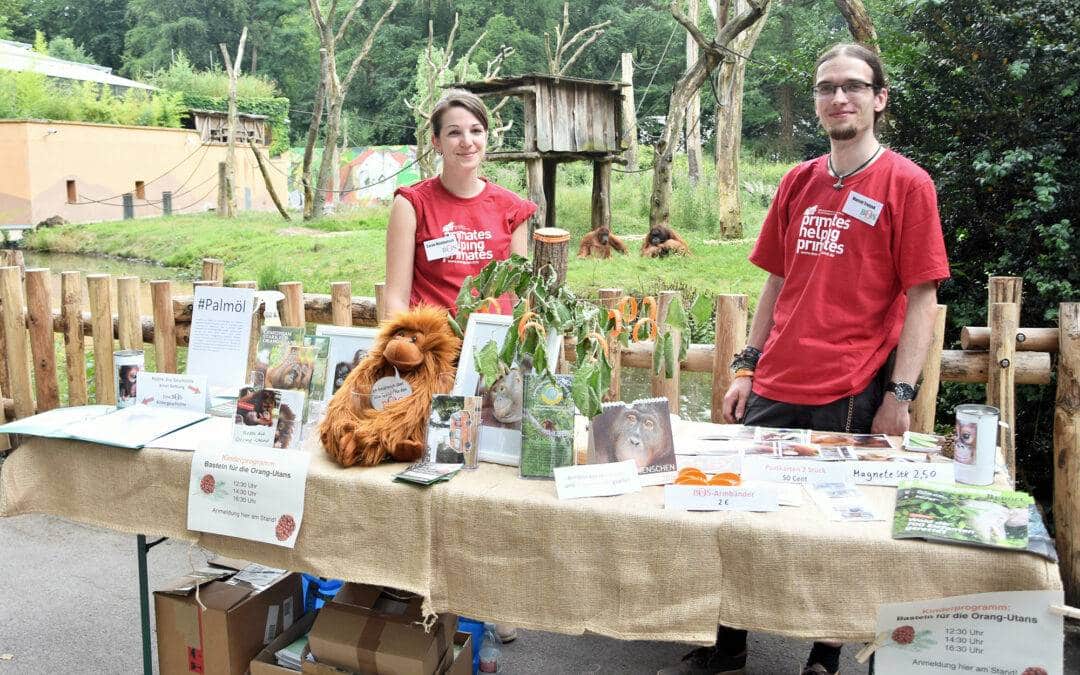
[490, 545]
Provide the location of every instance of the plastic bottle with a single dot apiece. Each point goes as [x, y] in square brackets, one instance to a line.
[489, 653]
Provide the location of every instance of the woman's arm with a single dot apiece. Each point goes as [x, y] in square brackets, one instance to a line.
[400, 249]
[519, 239]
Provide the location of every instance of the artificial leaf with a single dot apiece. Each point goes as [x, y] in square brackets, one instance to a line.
[676, 315]
[669, 355]
[487, 362]
[701, 309]
[658, 356]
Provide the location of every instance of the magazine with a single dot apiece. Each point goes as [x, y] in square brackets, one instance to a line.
[274, 342]
[965, 515]
[640, 431]
[547, 430]
[132, 427]
[453, 428]
[268, 417]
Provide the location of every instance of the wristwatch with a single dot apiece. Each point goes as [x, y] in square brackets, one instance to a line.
[902, 391]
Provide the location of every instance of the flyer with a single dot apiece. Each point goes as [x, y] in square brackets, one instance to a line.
[248, 492]
[168, 390]
[220, 335]
[1009, 632]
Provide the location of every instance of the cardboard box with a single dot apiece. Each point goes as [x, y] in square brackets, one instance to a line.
[377, 630]
[236, 623]
[265, 663]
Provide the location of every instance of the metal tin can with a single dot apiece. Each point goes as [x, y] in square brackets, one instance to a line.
[128, 363]
[975, 449]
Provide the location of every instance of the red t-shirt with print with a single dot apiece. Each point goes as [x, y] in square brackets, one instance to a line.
[842, 305]
[482, 225]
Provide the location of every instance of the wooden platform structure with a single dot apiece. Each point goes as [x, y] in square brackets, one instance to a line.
[567, 119]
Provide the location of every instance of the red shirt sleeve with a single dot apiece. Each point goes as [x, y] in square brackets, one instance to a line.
[920, 249]
[518, 211]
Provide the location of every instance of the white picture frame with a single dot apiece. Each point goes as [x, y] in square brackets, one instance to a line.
[345, 343]
[498, 444]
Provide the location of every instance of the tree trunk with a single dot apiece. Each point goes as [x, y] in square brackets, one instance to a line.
[728, 144]
[785, 93]
[693, 112]
[859, 22]
[327, 165]
[312, 136]
[230, 154]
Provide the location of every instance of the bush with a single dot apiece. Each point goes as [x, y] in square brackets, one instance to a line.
[991, 109]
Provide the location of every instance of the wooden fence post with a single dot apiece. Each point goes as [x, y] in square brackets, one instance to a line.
[129, 318]
[101, 325]
[164, 326]
[380, 301]
[213, 269]
[14, 305]
[661, 385]
[924, 409]
[74, 339]
[42, 346]
[609, 298]
[731, 320]
[1067, 450]
[1001, 377]
[293, 314]
[341, 303]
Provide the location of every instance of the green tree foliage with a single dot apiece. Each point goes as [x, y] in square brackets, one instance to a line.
[27, 95]
[991, 108]
[96, 27]
[183, 77]
[12, 15]
[65, 48]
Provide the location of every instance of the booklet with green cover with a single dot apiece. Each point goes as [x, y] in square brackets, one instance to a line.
[961, 514]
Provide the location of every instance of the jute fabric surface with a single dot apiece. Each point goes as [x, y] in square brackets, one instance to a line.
[490, 545]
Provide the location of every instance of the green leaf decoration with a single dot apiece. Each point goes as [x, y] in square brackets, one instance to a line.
[454, 326]
[658, 356]
[669, 355]
[701, 309]
[487, 362]
[676, 315]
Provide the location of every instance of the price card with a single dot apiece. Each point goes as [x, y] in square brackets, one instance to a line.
[1011, 632]
[746, 497]
[891, 473]
[248, 492]
[795, 471]
[597, 480]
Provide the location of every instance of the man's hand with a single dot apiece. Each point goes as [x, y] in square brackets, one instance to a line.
[734, 406]
[892, 418]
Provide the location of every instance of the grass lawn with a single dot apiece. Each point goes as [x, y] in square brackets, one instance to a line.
[350, 246]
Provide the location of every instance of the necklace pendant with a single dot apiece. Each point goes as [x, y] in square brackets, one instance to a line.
[839, 184]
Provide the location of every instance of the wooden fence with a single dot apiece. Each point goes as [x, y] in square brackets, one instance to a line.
[999, 355]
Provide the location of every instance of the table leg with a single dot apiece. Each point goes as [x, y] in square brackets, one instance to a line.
[144, 601]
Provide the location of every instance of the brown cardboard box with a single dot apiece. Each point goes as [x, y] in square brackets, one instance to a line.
[223, 638]
[462, 665]
[378, 630]
[265, 663]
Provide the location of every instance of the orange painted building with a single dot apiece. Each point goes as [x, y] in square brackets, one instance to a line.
[80, 172]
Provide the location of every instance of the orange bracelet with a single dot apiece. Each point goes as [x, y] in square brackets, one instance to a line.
[743, 372]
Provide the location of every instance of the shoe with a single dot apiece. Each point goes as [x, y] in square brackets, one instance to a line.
[707, 661]
[506, 632]
[817, 669]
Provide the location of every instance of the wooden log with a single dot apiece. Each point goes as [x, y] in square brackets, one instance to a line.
[534, 185]
[924, 408]
[267, 181]
[661, 384]
[341, 303]
[551, 251]
[293, 310]
[74, 346]
[628, 130]
[1027, 339]
[102, 321]
[257, 318]
[380, 301]
[1004, 289]
[973, 367]
[14, 318]
[11, 257]
[1001, 378]
[199, 283]
[601, 195]
[731, 319]
[42, 346]
[1067, 450]
[127, 310]
[164, 338]
[213, 269]
[609, 298]
[551, 167]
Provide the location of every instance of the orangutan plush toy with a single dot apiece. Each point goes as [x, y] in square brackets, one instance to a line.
[422, 347]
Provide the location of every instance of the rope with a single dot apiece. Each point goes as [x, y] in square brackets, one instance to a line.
[656, 70]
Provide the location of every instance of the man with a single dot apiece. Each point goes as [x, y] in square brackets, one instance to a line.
[854, 251]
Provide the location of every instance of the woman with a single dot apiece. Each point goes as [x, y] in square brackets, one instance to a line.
[446, 228]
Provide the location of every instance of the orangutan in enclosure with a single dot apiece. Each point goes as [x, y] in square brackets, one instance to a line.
[661, 241]
[599, 242]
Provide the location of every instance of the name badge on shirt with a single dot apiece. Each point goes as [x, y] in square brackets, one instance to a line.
[443, 247]
[862, 207]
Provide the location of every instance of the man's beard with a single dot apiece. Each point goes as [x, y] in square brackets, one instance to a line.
[844, 133]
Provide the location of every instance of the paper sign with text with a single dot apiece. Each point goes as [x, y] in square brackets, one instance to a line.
[891, 473]
[1006, 633]
[795, 471]
[220, 335]
[166, 390]
[248, 492]
[745, 497]
[597, 480]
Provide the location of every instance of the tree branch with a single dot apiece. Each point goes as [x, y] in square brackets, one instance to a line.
[691, 27]
[741, 22]
[368, 42]
[592, 39]
[347, 20]
[320, 23]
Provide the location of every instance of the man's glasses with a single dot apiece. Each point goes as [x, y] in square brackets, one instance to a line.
[852, 88]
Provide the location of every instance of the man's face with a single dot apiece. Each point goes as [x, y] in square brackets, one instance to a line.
[847, 115]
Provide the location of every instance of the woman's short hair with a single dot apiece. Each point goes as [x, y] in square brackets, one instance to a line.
[458, 98]
[868, 56]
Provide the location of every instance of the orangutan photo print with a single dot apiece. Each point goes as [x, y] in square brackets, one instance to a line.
[640, 431]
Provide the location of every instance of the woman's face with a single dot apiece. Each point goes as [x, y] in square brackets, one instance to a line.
[461, 141]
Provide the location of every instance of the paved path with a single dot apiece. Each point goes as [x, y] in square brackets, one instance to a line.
[69, 604]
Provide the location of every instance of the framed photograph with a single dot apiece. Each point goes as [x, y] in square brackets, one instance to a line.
[501, 411]
[348, 346]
